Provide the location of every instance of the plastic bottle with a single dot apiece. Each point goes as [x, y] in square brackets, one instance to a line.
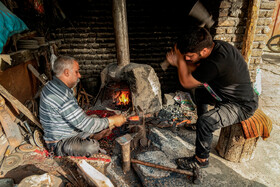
[258, 83]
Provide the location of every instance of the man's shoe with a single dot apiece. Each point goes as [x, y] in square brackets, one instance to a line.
[189, 163]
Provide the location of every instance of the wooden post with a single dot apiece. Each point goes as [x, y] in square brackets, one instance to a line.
[233, 146]
[20, 106]
[251, 25]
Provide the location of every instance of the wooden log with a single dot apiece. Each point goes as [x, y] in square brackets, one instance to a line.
[233, 146]
[20, 106]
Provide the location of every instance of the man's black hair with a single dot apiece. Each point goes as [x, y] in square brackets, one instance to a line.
[194, 40]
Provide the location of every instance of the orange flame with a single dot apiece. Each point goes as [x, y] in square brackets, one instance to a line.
[123, 99]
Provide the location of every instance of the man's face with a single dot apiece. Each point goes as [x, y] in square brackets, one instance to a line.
[74, 75]
[192, 57]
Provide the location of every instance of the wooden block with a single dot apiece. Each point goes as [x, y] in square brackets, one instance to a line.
[233, 146]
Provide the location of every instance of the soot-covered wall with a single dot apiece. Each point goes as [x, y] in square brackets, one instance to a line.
[87, 33]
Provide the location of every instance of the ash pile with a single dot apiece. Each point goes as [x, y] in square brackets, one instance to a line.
[178, 110]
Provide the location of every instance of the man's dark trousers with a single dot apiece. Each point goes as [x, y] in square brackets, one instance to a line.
[223, 114]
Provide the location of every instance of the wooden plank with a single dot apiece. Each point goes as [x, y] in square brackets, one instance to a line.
[92, 175]
[20, 106]
[18, 57]
[11, 129]
[37, 74]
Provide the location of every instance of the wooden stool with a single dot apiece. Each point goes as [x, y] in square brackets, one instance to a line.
[233, 146]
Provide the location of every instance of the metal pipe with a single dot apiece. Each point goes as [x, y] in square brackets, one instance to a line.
[121, 33]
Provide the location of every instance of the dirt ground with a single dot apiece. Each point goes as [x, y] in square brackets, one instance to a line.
[270, 96]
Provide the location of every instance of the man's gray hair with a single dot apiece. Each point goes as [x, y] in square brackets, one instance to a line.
[62, 63]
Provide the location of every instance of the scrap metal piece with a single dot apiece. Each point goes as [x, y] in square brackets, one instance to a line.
[38, 138]
[25, 148]
[7, 182]
[12, 161]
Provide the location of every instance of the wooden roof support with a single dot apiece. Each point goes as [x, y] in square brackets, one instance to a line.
[251, 25]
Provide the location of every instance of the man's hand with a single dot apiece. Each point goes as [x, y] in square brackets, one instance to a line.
[171, 57]
[116, 120]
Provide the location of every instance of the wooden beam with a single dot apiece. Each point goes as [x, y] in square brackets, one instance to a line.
[251, 25]
[20, 106]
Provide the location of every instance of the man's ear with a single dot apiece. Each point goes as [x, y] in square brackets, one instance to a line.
[66, 72]
[204, 51]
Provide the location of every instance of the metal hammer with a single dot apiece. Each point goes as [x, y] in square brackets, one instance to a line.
[199, 12]
[195, 173]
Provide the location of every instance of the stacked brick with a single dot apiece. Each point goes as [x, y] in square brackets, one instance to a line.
[91, 40]
[262, 30]
[231, 23]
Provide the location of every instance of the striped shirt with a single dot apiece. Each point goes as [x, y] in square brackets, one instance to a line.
[61, 116]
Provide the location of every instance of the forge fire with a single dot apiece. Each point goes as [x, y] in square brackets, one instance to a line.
[121, 97]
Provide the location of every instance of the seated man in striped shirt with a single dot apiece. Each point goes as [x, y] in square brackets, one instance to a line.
[67, 129]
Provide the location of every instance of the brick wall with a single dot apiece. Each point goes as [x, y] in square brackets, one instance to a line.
[262, 29]
[231, 27]
[88, 37]
[152, 29]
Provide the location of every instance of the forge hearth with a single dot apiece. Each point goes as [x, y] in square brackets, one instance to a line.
[116, 96]
[139, 79]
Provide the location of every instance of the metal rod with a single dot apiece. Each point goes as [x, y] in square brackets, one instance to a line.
[184, 172]
[121, 33]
